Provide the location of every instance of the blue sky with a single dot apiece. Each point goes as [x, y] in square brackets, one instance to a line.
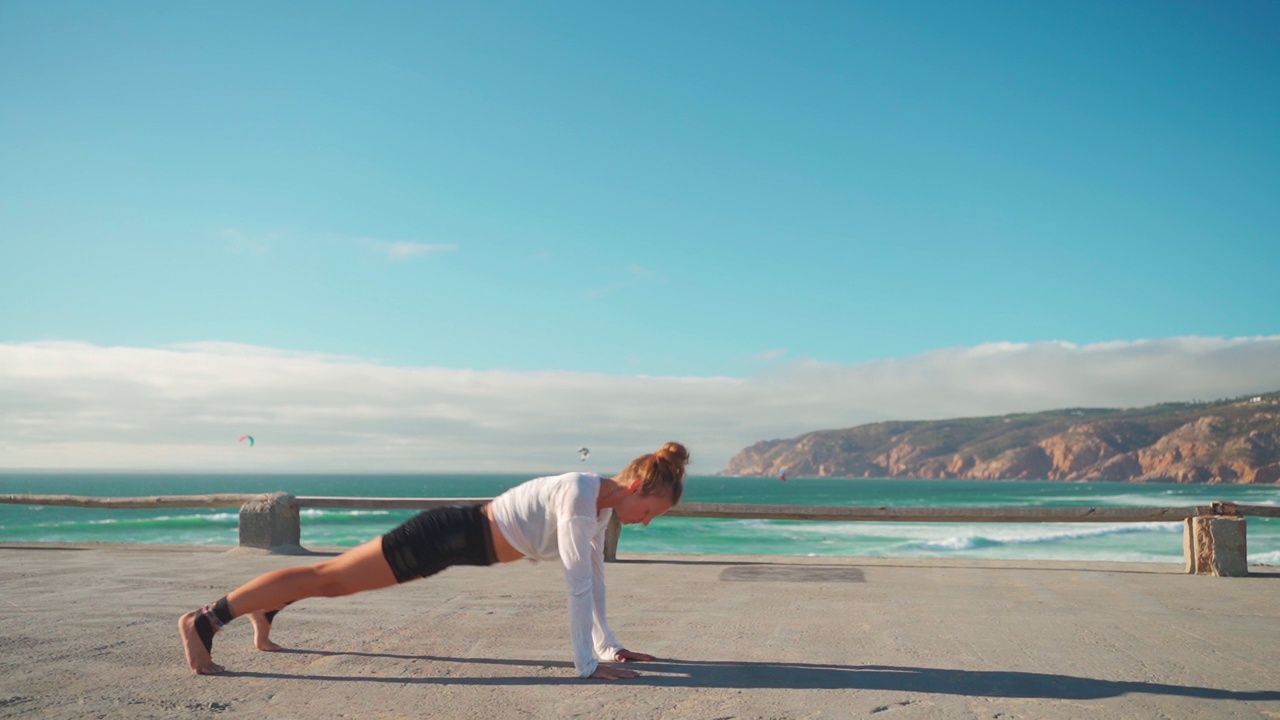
[719, 192]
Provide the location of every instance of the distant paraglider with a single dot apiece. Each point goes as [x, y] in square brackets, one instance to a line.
[583, 454]
[247, 437]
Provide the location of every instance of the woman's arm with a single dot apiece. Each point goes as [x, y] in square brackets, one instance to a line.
[607, 646]
[575, 556]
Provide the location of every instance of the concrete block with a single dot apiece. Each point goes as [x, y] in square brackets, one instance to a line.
[1189, 546]
[271, 522]
[1218, 546]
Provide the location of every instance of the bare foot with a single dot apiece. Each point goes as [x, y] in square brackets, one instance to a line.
[262, 632]
[197, 657]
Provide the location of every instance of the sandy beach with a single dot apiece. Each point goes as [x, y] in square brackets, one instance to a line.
[88, 631]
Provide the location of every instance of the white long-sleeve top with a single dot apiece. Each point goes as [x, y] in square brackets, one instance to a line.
[555, 518]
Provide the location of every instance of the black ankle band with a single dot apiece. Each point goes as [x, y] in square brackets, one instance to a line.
[223, 611]
[271, 615]
[205, 630]
[210, 619]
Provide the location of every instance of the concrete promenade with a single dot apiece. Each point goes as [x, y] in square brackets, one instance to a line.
[89, 631]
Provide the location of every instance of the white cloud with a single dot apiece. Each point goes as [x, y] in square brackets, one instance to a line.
[239, 242]
[75, 405]
[399, 251]
[633, 276]
[770, 355]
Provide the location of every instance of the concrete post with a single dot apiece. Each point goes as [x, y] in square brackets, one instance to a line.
[1189, 546]
[1217, 546]
[271, 522]
[611, 536]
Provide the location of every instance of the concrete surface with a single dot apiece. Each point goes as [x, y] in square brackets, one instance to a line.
[88, 631]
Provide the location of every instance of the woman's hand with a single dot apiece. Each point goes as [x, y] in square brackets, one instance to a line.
[628, 656]
[607, 672]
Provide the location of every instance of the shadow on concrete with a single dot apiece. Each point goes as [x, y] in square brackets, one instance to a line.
[792, 573]
[918, 564]
[1260, 571]
[717, 561]
[808, 676]
[1173, 568]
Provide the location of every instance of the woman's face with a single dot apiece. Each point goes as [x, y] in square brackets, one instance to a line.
[637, 508]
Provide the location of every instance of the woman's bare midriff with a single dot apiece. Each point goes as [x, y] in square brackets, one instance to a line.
[501, 548]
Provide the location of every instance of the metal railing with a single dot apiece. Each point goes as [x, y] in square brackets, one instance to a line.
[272, 521]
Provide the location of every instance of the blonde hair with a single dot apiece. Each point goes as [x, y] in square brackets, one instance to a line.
[661, 472]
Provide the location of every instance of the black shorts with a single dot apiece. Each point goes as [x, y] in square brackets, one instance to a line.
[437, 538]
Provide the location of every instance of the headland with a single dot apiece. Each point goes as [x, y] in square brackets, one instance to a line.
[1226, 441]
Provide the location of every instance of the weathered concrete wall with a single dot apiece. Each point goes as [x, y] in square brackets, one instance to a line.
[272, 523]
[1216, 546]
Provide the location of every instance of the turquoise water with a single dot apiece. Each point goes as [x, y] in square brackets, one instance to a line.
[1148, 542]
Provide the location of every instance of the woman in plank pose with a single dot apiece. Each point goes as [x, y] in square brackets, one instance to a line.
[559, 517]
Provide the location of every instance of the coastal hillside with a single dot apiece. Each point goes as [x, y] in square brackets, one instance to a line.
[1228, 441]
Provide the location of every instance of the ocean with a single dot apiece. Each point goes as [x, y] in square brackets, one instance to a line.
[1142, 542]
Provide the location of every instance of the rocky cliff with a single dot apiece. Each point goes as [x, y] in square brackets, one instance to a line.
[1230, 441]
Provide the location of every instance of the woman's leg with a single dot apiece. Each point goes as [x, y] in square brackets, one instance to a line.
[262, 621]
[357, 570]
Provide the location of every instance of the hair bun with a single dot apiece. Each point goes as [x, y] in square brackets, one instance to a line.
[674, 452]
